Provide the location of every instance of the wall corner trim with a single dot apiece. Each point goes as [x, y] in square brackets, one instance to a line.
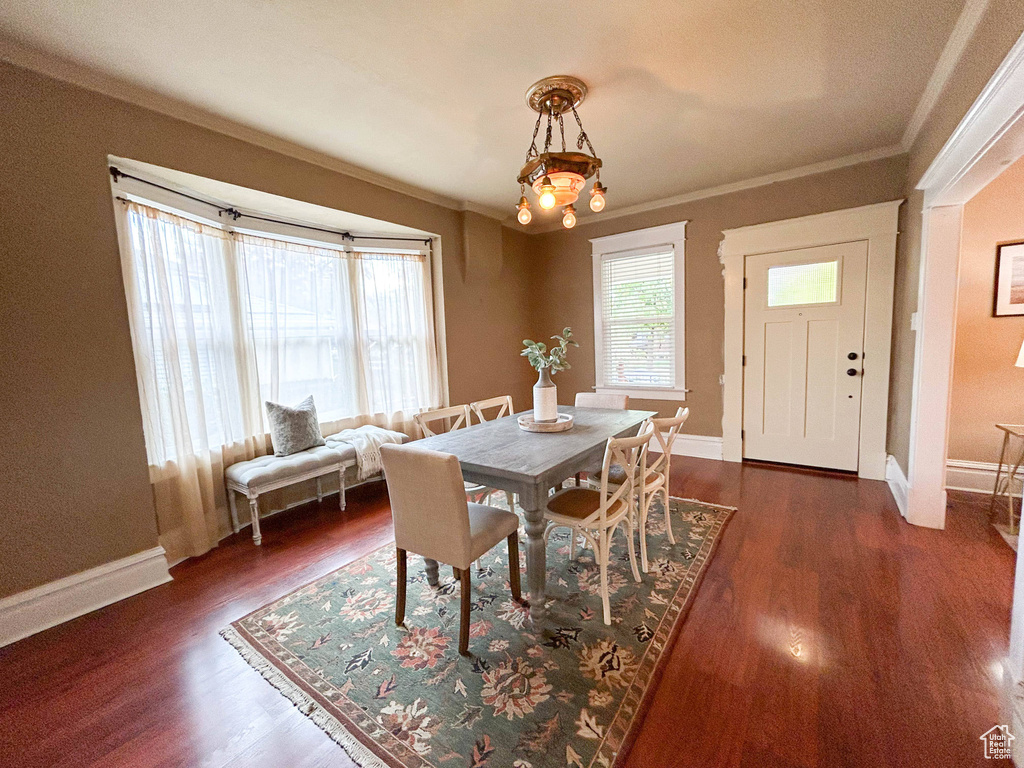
[897, 482]
[34, 610]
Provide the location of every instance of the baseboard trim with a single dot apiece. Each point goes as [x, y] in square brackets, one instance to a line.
[973, 476]
[34, 610]
[897, 482]
[698, 446]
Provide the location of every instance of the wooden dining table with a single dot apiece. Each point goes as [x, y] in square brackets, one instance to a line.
[498, 454]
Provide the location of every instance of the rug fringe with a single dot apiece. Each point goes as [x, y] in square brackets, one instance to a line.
[706, 503]
[307, 705]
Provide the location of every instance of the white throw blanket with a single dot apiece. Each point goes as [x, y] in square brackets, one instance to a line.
[366, 441]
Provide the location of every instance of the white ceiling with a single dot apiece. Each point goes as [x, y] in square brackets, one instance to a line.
[684, 94]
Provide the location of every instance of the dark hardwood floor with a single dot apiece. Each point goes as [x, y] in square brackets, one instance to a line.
[827, 632]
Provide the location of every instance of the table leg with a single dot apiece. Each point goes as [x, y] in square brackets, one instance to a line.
[536, 554]
[432, 579]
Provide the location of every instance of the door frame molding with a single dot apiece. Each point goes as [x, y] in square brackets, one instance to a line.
[876, 224]
[989, 137]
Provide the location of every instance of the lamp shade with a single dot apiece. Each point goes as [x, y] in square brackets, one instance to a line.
[1020, 357]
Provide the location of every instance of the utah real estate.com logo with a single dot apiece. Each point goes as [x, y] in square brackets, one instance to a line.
[998, 743]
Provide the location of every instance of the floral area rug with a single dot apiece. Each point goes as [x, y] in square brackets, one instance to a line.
[566, 691]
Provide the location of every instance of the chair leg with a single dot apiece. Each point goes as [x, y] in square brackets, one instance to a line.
[254, 511]
[579, 479]
[319, 490]
[602, 558]
[645, 505]
[572, 543]
[632, 547]
[341, 492]
[668, 516]
[400, 597]
[463, 577]
[513, 568]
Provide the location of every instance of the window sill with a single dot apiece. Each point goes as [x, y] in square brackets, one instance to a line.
[645, 393]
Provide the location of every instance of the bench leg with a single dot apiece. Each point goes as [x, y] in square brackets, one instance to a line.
[341, 489]
[254, 509]
[233, 506]
[319, 491]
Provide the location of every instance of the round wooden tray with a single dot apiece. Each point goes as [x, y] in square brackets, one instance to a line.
[565, 422]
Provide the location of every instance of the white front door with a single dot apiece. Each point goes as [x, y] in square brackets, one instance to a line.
[803, 344]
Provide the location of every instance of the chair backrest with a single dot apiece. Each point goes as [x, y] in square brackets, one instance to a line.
[602, 400]
[433, 422]
[666, 430]
[631, 454]
[428, 503]
[502, 402]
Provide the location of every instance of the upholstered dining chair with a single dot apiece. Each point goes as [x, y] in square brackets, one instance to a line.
[599, 400]
[502, 402]
[596, 514]
[602, 400]
[433, 518]
[441, 420]
[656, 479]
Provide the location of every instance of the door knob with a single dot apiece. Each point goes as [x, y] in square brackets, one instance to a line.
[852, 356]
[851, 371]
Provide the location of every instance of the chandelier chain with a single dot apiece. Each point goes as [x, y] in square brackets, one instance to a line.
[583, 134]
[547, 136]
[532, 151]
[561, 127]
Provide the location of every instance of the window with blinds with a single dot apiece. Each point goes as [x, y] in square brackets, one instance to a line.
[638, 320]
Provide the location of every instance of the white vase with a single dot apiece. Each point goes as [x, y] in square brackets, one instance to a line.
[545, 398]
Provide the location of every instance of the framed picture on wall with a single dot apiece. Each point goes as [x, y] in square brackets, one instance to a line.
[1009, 279]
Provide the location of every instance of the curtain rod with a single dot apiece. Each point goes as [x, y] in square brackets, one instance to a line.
[117, 174]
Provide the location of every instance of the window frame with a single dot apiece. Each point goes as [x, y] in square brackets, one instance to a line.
[638, 243]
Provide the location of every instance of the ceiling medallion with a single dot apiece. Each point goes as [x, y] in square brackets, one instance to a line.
[557, 178]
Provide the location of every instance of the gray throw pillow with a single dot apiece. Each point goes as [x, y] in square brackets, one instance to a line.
[293, 429]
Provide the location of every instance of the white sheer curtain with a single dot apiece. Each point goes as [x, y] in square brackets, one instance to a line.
[223, 321]
[193, 369]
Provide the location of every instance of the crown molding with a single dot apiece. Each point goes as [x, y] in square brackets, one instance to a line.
[91, 79]
[964, 28]
[726, 189]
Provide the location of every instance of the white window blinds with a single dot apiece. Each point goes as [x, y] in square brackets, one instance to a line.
[638, 319]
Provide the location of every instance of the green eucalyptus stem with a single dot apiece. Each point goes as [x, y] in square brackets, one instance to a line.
[555, 360]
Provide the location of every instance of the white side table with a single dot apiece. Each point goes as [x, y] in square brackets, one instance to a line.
[1011, 457]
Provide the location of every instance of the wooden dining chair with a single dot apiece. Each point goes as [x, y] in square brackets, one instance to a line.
[442, 420]
[658, 473]
[596, 514]
[656, 479]
[602, 400]
[505, 408]
[502, 402]
[433, 518]
[599, 400]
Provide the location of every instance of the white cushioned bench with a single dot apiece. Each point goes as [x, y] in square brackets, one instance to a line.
[268, 473]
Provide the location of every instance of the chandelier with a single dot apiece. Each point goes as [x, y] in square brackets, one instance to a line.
[557, 178]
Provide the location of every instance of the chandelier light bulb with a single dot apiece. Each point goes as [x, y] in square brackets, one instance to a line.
[597, 200]
[547, 194]
[569, 217]
[524, 214]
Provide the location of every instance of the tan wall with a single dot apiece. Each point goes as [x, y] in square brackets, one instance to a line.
[564, 283]
[987, 388]
[74, 485]
[996, 33]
